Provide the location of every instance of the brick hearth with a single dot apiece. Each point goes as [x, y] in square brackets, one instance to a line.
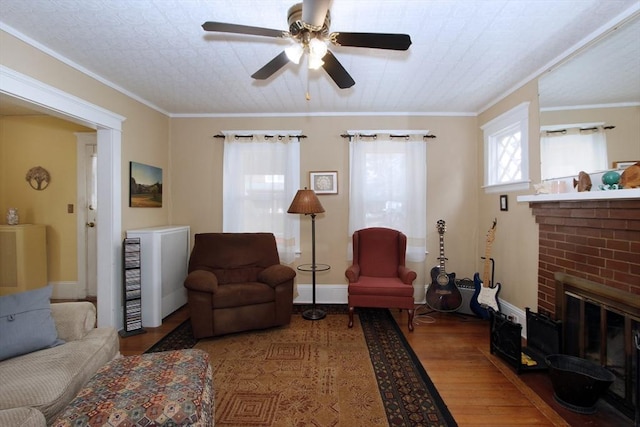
[596, 240]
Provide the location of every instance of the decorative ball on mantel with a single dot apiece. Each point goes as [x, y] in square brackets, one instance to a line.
[610, 178]
[630, 178]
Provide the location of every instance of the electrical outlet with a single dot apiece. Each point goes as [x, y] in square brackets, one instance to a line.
[70, 208]
[513, 318]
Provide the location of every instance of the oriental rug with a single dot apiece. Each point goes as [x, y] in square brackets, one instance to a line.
[319, 373]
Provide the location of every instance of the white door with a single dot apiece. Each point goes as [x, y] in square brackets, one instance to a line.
[87, 213]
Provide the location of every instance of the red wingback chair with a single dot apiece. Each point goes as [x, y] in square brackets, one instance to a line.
[378, 276]
[236, 283]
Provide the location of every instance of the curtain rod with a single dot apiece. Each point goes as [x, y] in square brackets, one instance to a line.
[266, 136]
[375, 135]
[548, 132]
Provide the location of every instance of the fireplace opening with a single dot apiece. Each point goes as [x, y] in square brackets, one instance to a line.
[601, 324]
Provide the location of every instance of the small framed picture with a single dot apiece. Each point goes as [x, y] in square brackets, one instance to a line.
[504, 202]
[624, 164]
[324, 182]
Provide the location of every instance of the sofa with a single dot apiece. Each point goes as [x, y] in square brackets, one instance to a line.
[236, 283]
[36, 386]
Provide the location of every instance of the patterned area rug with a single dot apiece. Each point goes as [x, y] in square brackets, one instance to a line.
[319, 373]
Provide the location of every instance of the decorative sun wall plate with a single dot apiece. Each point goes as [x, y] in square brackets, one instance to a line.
[38, 178]
[324, 182]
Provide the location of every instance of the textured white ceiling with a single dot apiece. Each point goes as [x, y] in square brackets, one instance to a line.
[465, 55]
[606, 73]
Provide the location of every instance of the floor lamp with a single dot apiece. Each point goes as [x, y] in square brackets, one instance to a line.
[306, 202]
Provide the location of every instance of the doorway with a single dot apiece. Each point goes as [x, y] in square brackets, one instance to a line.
[55, 102]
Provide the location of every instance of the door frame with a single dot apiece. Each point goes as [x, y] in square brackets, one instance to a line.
[61, 104]
[83, 140]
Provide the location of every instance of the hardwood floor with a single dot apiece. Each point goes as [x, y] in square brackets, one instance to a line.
[477, 387]
[138, 344]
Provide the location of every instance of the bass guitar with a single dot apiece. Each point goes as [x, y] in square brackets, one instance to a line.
[485, 296]
[443, 294]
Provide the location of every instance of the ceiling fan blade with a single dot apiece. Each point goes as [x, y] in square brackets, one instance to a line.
[314, 12]
[272, 66]
[373, 40]
[337, 72]
[222, 27]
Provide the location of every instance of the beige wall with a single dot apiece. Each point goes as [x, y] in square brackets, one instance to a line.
[28, 141]
[515, 248]
[451, 189]
[145, 132]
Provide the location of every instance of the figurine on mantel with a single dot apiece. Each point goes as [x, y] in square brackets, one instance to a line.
[12, 216]
[541, 188]
[583, 183]
[631, 176]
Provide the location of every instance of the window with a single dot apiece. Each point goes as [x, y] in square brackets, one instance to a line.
[388, 186]
[261, 175]
[566, 150]
[506, 151]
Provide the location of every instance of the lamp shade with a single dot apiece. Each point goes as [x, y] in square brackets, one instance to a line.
[305, 202]
[294, 52]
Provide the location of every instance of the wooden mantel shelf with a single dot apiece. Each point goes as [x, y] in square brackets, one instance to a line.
[631, 193]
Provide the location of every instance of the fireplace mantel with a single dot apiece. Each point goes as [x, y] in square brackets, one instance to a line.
[631, 193]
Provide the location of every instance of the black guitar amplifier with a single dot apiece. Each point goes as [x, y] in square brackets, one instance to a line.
[466, 288]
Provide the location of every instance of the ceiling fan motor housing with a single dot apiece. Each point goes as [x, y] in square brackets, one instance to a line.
[298, 26]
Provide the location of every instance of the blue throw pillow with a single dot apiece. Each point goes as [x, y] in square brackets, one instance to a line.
[26, 324]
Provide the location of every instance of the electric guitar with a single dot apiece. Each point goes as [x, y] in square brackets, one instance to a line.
[443, 294]
[484, 295]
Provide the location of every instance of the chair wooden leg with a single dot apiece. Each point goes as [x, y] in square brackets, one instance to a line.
[351, 310]
[411, 320]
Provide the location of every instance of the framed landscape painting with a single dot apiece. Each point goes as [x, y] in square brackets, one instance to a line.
[145, 186]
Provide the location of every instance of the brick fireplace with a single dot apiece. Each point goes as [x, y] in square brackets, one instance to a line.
[589, 277]
[598, 240]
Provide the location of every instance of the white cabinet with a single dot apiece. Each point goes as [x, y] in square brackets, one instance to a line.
[164, 258]
[23, 258]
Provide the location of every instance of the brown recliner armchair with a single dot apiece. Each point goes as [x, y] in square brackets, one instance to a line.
[236, 283]
[378, 276]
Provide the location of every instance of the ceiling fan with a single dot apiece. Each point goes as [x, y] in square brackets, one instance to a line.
[309, 30]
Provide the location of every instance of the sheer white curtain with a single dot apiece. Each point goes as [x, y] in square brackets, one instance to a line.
[388, 187]
[567, 152]
[261, 177]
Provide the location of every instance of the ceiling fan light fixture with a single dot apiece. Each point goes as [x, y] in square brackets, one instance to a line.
[315, 62]
[294, 53]
[317, 48]
[309, 22]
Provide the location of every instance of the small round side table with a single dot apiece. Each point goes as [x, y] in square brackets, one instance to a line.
[313, 313]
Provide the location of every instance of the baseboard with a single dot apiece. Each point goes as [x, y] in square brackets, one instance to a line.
[68, 290]
[515, 314]
[325, 294]
[328, 294]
